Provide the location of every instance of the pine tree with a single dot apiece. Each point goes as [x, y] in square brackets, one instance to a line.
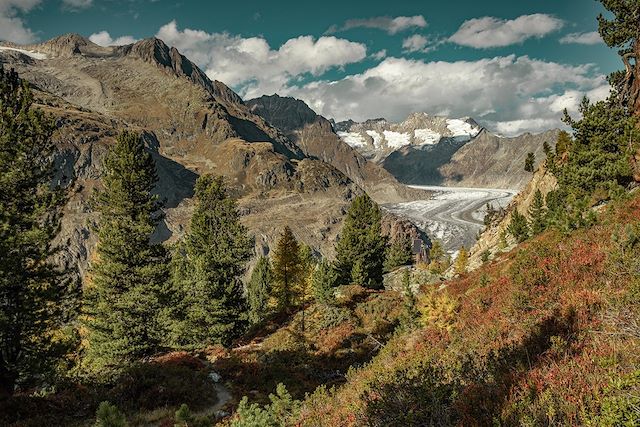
[462, 260]
[537, 214]
[207, 266]
[32, 292]
[287, 269]
[361, 247]
[126, 285]
[398, 253]
[259, 290]
[324, 282]
[529, 162]
[518, 227]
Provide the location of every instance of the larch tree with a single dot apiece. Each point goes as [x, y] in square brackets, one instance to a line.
[360, 251]
[460, 264]
[125, 289]
[210, 307]
[32, 291]
[287, 269]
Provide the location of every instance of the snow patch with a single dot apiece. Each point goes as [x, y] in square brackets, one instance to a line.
[377, 138]
[354, 139]
[427, 136]
[396, 140]
[459, 128]
[32, 54]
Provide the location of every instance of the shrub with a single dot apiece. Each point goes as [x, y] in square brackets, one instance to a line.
[109, 415]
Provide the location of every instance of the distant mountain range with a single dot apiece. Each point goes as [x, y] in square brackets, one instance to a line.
[433, 150]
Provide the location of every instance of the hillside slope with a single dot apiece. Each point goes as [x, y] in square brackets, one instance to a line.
[546, 334]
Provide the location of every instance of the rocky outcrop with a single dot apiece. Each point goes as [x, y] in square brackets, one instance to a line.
[490, 239]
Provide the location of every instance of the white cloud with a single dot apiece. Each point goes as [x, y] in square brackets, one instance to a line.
[77, 4]
[415, 43]
[384, 23]
[381, 54]
[490, 32]
[12, 26]
[590, 38]
[507, 94]
[253, 64]
[103, 38]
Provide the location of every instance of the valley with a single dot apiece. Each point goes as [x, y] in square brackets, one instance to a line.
[453, 215]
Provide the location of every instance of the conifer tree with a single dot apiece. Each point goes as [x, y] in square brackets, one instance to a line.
[439, 262]
[518, 227]
[31, 290]
[361, 247]
[259, 290]
[462, 260]
[307, 267]
[398, 253]
[208, 264]
[287, 269]
[529, 162]
[324, 282]
[537, 214]
[124, 293]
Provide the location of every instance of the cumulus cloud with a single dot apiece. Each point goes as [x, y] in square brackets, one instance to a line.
[12, 26]
[415, 43]
[384, 23]
[253, 65]
[487, 32]
[508, 94]
[103, 38]
[77, 4]
[589, 38]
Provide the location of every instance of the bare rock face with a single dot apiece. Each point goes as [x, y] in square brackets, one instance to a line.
[316, 138]
[496, 162]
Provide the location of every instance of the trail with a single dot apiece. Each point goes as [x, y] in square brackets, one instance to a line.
[452, 215]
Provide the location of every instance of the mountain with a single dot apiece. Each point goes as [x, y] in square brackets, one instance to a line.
[191, 125]
[316, 138]
[433, 150]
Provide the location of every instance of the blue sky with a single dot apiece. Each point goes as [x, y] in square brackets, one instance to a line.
[511, 65]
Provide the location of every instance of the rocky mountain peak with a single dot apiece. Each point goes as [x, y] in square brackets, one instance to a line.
[285, 113]
[70, 44]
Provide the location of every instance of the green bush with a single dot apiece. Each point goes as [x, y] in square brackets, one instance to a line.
[109, 415]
